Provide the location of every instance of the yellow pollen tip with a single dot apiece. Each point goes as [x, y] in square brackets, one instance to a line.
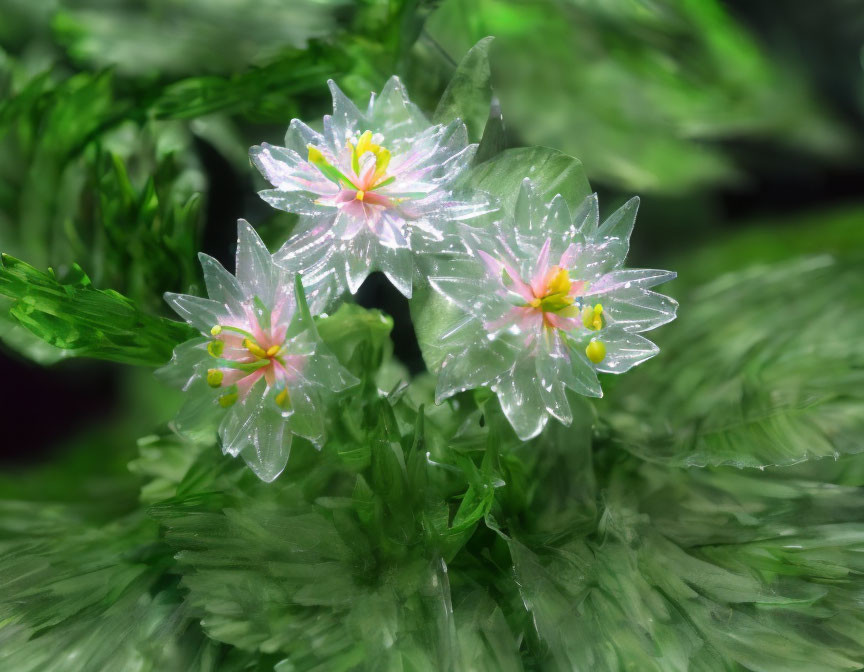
[283, 400]
[215, 331]
[360, 195]
[215, 348]
[227, 400]
[596, 351]
[254, 348]
[214, 377]
[535, 303]
[272, 350]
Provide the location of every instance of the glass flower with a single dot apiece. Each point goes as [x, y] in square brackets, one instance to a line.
[544, 304]
[370, 189]
[259, 368]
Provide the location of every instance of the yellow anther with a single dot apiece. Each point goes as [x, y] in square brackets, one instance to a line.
[254, 348]
[596, 351]
[272, 350]
[215, 348]
[365, 144]
[214, 377]
[316, 157]
[535, 302]
[559, 281]
[382, 160]
[360, 195]
[215, 331]
[592, 318]
[283, 399]
[227, 400]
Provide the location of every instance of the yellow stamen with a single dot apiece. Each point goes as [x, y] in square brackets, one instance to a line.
[382, 160]
[592, 318]
[359, 195]
[596, 351]
[535, 302]
[365, 144]
[254, 348]
[272, 350]
[559, 281]
[215, 348]
[227, 400]
[316, 157]
[214, 377]
[283, 400]
[215, 331]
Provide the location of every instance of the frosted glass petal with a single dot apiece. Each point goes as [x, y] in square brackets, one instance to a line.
[255, 268]
[221, 285]
[269, 448]
[200, 313]
[521, 401]
[624, 350]
[393, 109]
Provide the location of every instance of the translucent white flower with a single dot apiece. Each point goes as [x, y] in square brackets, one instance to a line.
[370, 189]
[259, 368]
[545, 304]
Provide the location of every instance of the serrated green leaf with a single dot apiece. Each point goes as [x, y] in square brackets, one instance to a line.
[85, 321]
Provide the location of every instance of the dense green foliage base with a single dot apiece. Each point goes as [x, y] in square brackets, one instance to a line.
[429, 538]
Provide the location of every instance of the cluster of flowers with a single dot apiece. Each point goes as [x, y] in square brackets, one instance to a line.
[539, 296]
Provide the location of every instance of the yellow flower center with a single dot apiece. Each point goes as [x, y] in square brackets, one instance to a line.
[556, 298]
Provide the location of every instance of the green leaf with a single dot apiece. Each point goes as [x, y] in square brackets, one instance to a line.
[763, 367]
[359, 338]
[551, 171]
[85, 321]
[469, 94]
[494, 140]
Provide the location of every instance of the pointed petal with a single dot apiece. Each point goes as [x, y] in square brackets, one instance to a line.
[559, 222]
[299, 136]
[586, 219]
[187, 362]
[617, 228]
[238, 426]
[298, 202]
[202, 314]
[394, 111]
[255, 269]
[624, 350]
[221, 285]
[268, 448]
[306, 420]
[346, 116]
[520, 400]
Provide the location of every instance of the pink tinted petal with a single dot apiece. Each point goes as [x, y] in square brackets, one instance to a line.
[254, 327]
[576, 288]
[245, 384]
[492, 265]
[231, 376]
[346, 196]
[541, 270]
[568, 258]
[374, 198]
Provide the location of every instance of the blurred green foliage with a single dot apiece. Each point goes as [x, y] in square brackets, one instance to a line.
[705, 516]
[639, 91]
